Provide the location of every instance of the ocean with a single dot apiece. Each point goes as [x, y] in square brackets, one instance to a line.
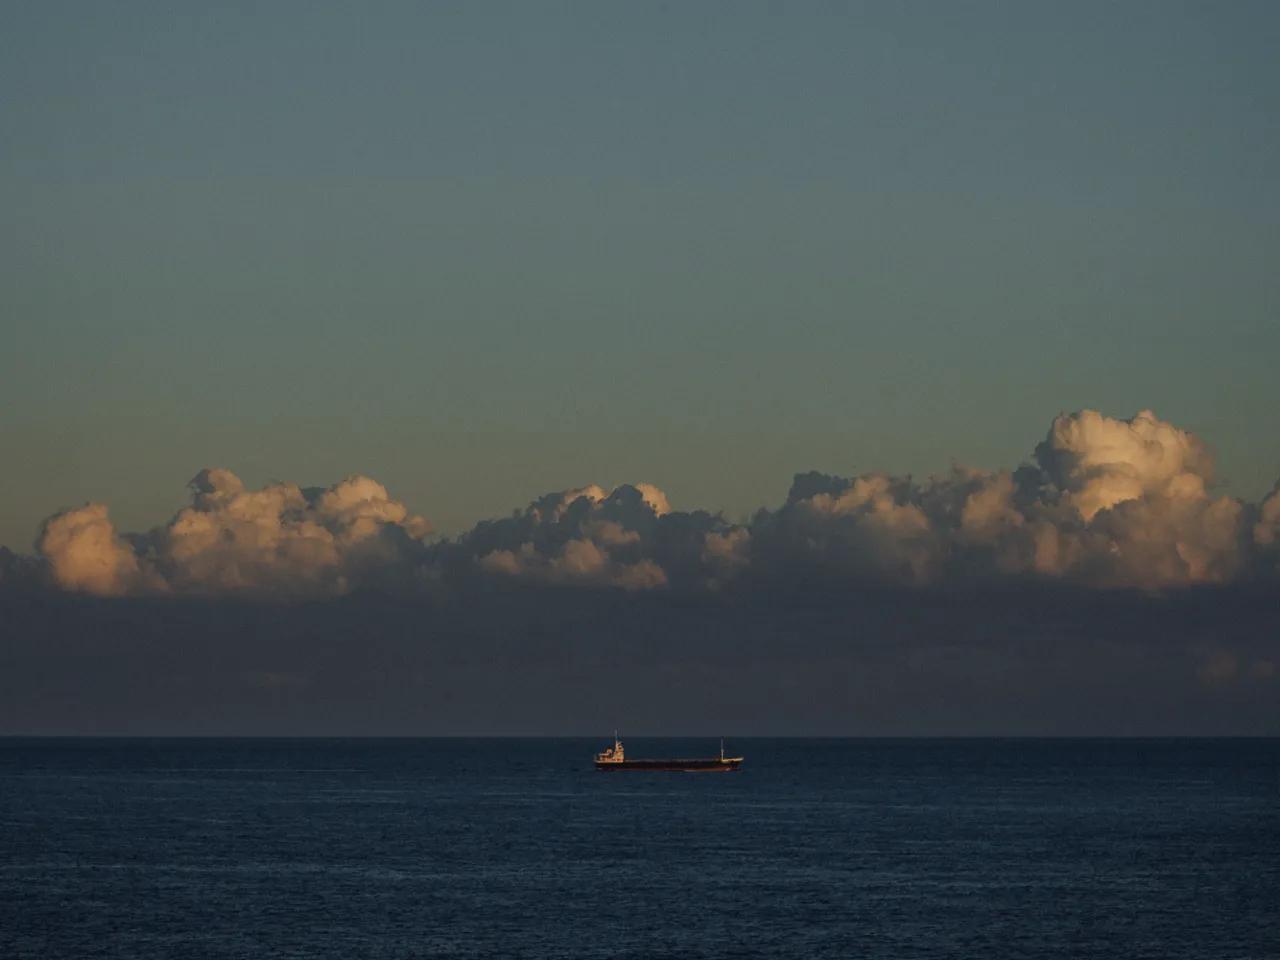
[358, 848]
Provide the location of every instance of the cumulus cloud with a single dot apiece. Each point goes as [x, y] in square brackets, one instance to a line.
[85, 554]
[1102, 502]
[628, 537]
[1097, 462]
[870, 526]
[1140, 489]
[1105, 502]
[280, 539]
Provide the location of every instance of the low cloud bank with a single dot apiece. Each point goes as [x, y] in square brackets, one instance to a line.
[1043, 659]
[1103, 502]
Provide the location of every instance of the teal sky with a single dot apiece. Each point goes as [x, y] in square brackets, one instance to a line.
[480, 251]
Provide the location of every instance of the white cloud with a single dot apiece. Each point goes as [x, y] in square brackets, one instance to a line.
[277, 539]
[1105, 502]
[1120, 503]
[1098, 461]
[85, 554]
[582, 536]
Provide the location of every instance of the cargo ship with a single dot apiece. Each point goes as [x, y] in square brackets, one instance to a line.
[615, 758]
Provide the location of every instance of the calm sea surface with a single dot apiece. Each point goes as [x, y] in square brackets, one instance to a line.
[483, 848]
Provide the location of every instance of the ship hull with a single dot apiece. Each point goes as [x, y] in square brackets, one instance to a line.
[710, 765]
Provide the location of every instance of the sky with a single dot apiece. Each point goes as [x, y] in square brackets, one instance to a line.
[369, 346]
[482, 251]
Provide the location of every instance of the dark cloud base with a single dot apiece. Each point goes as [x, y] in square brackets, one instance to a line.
[1030, 660]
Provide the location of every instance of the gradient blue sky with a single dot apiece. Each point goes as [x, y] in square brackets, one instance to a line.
[482, 251]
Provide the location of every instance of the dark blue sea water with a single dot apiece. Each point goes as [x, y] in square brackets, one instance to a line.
[482, 848]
